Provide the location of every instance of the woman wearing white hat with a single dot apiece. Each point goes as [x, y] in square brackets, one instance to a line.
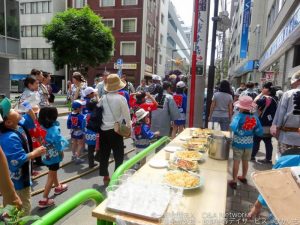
[115, 109]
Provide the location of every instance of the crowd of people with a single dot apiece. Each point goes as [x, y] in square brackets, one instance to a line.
[30, 134]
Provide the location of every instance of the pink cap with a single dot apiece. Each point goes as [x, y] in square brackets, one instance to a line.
[245, 102]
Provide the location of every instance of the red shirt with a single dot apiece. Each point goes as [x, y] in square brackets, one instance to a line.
[146, 106]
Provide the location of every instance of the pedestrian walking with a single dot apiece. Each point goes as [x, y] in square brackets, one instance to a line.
[79, 84]
[115, 111]
[90, 101]
[167, 111]
[55, 144]
[43, 90]
[128, 85]
[244, 126]
[286, 122]
[76, 124]
[101, 85]
[267, 106]
[180, 99]
[221, 109]
[250, 90]
[142, 87]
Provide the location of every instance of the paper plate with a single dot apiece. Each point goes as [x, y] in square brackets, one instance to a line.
[172, 149]
[158, 163]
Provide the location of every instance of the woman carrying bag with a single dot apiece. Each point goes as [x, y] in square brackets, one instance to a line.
[115, 112]
[267, 106]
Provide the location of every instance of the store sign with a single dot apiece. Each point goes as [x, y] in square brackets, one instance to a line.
[245, 29]
[269, 75]
[125, 66]
[246, 68]
[292, 24]
[201, 42]
[149, 68]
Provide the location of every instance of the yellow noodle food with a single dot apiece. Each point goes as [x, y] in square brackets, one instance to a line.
[182, 179]
[189, 155]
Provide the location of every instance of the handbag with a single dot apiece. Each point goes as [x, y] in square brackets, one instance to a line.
[119, 128]
[95, 120]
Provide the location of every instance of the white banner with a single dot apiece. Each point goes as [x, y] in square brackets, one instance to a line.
[202, 35]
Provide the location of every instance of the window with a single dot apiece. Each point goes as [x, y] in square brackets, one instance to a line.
[40, 31]
[36, 53]
[148, 29]
[128, 25]
[28, 31]
[160, 59]
[161, 39]
[162, 18]
[107, 3]
[129, 2]
[35, 7]
[34, 31]
[79, 4]
[149, 51]
[109, 22]
[39, 7]
[45, 7]
[128, 48]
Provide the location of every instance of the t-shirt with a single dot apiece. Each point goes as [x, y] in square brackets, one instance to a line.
[223, 100]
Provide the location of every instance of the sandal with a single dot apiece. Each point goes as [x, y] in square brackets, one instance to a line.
[60, 189]
[45, 203]
[232, 184]
[106, 180]
[243, 180]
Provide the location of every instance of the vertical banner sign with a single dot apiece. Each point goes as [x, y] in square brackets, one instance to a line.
[119, 65]
[245, 29]
[201, 43]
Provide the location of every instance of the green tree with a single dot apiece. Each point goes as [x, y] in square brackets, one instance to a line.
[79, 39]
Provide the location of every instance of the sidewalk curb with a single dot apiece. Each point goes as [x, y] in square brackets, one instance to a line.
[63, 114]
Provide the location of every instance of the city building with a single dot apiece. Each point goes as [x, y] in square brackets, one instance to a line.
[281, 48]
[161, 43]
[246, 41]
[133, 23]
[9, 40]
[178, 43]
[35, 51]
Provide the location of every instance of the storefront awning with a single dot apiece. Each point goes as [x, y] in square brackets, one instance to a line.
[18, 76]
[247, 67]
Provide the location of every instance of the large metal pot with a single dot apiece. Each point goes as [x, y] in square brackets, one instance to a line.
[219, 146]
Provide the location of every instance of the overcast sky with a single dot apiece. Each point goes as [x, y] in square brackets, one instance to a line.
[184, 9]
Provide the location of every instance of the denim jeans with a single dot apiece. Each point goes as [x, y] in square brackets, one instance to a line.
[268, 144]
[223, 121]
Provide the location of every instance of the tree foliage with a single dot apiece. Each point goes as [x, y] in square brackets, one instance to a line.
[79, 39]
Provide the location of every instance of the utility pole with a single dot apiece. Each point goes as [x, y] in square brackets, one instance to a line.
[211, 70]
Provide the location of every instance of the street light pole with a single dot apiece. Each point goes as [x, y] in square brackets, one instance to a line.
[211, 70]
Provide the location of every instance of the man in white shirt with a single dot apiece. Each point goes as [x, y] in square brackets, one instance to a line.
[100, 86]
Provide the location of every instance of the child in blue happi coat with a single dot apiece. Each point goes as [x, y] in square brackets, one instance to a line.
[244, 126]
[17, 147]
[142, 133]
[76, 123]
[55, 144]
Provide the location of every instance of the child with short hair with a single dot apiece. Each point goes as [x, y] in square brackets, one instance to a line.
[244, 126]
[91, 99]
[17, 146]
[76, 123]
[55, 144]
[142, 133]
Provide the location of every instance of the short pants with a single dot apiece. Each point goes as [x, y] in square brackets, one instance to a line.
[53, 167]
[242, 154]
[77, 134]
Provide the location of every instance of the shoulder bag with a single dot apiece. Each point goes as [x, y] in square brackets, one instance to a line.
[119, 128]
